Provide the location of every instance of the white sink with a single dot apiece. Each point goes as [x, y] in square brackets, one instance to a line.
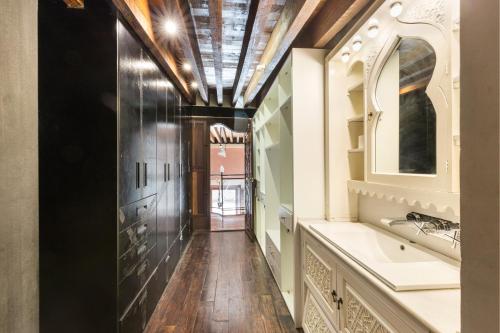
[400, 264]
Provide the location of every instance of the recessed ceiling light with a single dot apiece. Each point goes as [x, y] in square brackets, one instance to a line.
[194, 85]
[261, 67]
[357, 43]
[186, 67]
[396, 9]
[170, 27]
[373, 28]
[345, 55]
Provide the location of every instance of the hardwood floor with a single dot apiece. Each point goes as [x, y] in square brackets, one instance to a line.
[227, 223]
[222, 284]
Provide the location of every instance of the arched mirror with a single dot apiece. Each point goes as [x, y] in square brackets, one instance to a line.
[405, 132]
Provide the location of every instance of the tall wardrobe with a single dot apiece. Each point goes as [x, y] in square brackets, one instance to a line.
[114, 169]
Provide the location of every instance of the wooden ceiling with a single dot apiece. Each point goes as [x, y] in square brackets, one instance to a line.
[233, 46]
[222, 135]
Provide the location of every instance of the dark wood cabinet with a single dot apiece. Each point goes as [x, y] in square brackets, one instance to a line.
[111, 164]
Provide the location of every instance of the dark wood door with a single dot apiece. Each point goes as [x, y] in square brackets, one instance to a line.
[172, 230]
[129, 80]
[161, 167]
[149, 96]
[249, 184]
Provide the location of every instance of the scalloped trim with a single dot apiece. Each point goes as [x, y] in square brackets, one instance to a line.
[442, 202]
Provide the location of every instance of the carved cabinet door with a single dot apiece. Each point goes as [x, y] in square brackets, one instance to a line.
[320, 277]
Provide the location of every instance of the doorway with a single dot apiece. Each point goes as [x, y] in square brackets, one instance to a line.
[227, 179]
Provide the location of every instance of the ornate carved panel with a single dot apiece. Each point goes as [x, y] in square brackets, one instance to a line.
[358, 318]
[320, 275]
[314, 322]
[429, 11]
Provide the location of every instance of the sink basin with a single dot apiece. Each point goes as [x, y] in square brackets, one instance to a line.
[397, 262]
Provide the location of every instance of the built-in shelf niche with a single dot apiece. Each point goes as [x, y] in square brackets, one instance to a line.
[355, 114]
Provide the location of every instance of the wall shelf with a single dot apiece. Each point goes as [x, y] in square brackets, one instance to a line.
[440, 201]
[356, 150]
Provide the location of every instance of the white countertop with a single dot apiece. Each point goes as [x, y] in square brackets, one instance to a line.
[439, 310]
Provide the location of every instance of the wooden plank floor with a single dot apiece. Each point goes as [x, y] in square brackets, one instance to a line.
[222, 284]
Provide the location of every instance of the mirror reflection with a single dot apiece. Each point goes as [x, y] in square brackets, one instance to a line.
[405, 135]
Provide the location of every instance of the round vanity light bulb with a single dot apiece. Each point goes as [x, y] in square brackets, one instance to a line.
[372, 28]
[186, 67]
[357, 43]
[194, 85]
[345, 55]
[396, 9]
[170, 27]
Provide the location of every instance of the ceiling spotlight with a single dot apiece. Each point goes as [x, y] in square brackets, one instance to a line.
[396, 9]
[194, 85]
[170, 27]
[357, 43]
[372, 28]
[261, 67]
[345, 55]
[186, 67]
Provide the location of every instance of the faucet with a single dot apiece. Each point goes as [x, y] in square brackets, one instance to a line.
[430, 225]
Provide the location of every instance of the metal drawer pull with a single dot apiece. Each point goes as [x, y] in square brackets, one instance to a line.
[137, 175]
[164, 172]
[141, 250]
[142, 229]
[145, 174]
[168, 171]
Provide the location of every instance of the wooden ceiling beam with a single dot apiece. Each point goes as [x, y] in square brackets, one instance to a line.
[138, 15]
[215, 17]
[257, 17]
[223, 134]
[294, 17]
[332, 18]
[191, 48]
[215, 133]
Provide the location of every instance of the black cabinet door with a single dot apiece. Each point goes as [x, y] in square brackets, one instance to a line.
[177, 152]
[129, 81]
[150, 77]
[172, 230]
[162, 166]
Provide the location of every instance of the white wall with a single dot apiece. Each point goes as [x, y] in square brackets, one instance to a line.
[18, 167]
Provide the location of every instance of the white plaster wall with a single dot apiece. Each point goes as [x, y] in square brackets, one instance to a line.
[18, 167]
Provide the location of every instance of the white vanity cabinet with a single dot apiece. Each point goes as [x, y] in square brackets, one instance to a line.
[337, 299]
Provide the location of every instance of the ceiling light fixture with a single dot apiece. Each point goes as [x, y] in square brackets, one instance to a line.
[396, 9]
[170, 27]
[345, 55]
[261, 67]
[194, 85]
[186, 67]
[357, 43]
[373, 28]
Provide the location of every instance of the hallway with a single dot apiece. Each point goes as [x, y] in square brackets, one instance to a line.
[222, 284]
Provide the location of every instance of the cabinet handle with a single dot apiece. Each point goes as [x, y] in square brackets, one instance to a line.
[137, 175]
[334, 296]
[339, 303]
[165, 172]
[168, 171]
[145, 174]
